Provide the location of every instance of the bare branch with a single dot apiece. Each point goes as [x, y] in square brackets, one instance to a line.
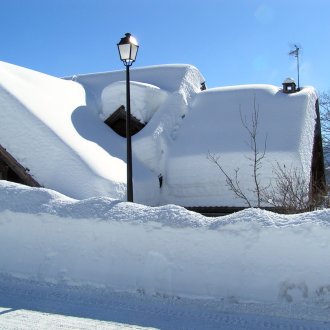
[232, 184]
[289, 190]
[251, 126]
[257, 155]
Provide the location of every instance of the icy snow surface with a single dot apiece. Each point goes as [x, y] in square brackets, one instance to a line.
[89, 257]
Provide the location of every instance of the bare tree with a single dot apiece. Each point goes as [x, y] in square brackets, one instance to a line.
[257, 154]
[289, 191]
[233, 183]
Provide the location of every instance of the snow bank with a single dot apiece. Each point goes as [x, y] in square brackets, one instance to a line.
[251, 255]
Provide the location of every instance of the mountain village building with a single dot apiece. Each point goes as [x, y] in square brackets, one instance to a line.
[67, 135]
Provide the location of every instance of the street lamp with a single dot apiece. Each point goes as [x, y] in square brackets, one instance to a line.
[128, 48]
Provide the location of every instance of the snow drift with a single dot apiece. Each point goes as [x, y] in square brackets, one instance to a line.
[251, 255]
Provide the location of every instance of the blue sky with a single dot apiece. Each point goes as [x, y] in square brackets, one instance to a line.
[230, 42]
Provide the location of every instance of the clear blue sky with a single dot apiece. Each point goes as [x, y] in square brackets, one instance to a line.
[231, 42]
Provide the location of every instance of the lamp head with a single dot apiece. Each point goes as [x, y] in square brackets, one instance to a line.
[128, 48]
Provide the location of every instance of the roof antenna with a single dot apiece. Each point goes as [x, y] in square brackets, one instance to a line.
[295, 53]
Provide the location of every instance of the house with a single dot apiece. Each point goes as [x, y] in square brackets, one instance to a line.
[68, 134]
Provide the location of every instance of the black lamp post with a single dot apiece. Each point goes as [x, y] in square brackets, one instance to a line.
[128, 48]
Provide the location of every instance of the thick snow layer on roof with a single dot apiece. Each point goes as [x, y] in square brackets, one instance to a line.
[55, 128]
[145, 99]
[169, 77]
[47, 127]
[214, 124]
[160, 96]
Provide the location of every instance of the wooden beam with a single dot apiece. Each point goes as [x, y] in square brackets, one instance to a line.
[17, 168]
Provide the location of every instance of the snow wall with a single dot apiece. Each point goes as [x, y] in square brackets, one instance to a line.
[251, 255]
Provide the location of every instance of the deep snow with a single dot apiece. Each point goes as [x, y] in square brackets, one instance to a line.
[162, 267]
[166, 267]
[213, 124]
[43, 125]
[54, 127]
[250, 256]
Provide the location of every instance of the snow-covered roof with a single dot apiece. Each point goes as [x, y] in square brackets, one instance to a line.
[214, 124]
[55, 128]
[47, 127]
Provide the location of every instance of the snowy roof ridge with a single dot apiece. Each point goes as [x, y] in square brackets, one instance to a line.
[166, 76]
[266, 87]
[133, 69]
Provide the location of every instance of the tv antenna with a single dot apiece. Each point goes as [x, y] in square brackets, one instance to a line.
[295, 53]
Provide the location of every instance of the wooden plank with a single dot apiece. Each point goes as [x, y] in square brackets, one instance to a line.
[16, 167]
